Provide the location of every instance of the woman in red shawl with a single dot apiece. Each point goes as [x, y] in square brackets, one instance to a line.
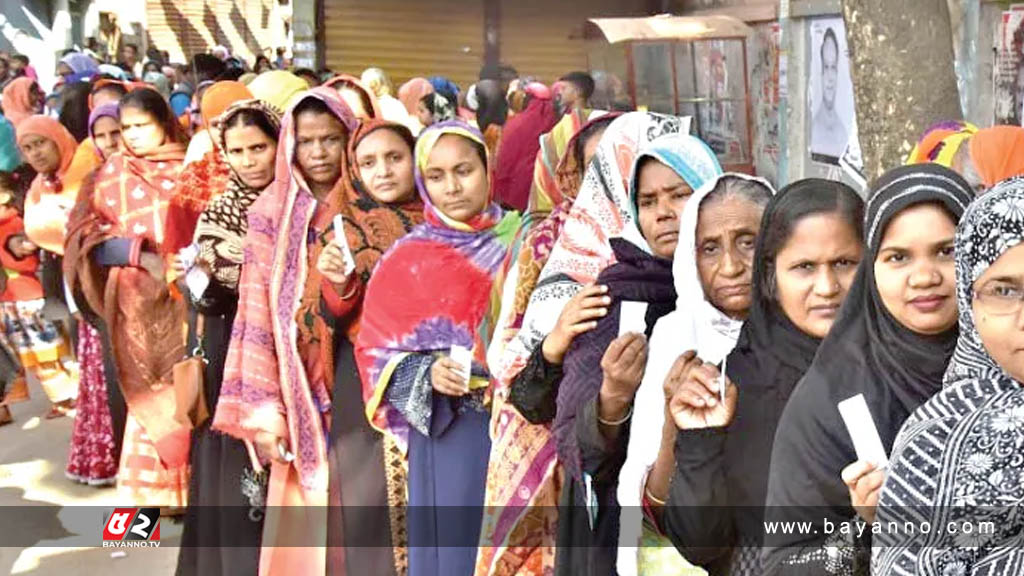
[383, 209]
[279, 371]
[520, 141]
[48, 147]
[113, 267]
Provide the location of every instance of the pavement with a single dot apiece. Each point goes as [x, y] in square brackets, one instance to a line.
[50, 525]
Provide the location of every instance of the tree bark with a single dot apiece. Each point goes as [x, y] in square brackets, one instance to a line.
[901, 61]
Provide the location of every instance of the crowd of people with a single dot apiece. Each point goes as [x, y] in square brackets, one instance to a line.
[511, 329]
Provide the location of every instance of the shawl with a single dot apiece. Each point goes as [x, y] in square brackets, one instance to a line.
[695, 324]
[412, 91]
[17, 100]
[49, 201]
[965, 441]
[545, 191]
[998, 153]
[440, 313]
[372, 227]
[279, 88]
[221, 228]
[206, 178]
[347, 81]
[520, 143]
[940, 143]
[266, 386]
[128, 198]
[866, 352]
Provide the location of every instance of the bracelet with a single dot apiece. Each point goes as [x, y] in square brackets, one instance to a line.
[654, 499]
[619, 422]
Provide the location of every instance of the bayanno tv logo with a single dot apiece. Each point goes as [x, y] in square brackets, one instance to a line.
[132, 528]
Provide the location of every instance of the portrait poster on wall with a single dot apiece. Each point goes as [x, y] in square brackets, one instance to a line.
[830, 91]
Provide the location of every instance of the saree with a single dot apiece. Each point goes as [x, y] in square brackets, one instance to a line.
[278, 370]
[516, 537]
[127, 198]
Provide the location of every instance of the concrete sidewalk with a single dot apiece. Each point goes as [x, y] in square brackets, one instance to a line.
[33, 454]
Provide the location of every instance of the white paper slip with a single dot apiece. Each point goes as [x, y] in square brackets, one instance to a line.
[464, 358]
[632, 317]
[339, 239]
[197, 282]
[863, 432]
[188, 256]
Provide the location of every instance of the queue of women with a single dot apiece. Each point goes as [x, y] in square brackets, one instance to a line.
[634, 373]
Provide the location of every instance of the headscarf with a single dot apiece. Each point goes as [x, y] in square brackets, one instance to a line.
[965, 440]
[491, 105]
[601, 211]
[83, 67]
[207, 177]
[997, 153]
[940, 143]
[696, 324]
[398, 322]
[520, 141]
[347, 81]
[48, 203]
[544, 193]
[221, 228]
[866, 352]
[113, 71]
[412, 92]
[266, 383]
[377, 81]
[108, 110]
[17, 100]
[446, 88]
[279, 88]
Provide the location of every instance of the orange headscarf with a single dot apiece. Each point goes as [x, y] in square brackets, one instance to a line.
[998, 153]
[50, 199]
[17, 100]
[940, 142]
[218, 97]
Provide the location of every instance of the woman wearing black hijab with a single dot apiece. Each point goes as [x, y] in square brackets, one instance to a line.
[891, 344]
[807, 253]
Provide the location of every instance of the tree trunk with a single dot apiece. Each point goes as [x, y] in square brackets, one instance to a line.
[901, 61]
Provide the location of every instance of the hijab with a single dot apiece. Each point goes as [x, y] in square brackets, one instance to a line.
[159, 82]
[17, 99]
[108, 110]
[369, 99]
[83, 67]
[997, 153]
[48, 202]
[520, 142]
[442, 109]
[554, 148]
[377, 81]
[412, 92]
[866, 352]
[279, 88]
[696, 324]
[219, 97]
[966, 439]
